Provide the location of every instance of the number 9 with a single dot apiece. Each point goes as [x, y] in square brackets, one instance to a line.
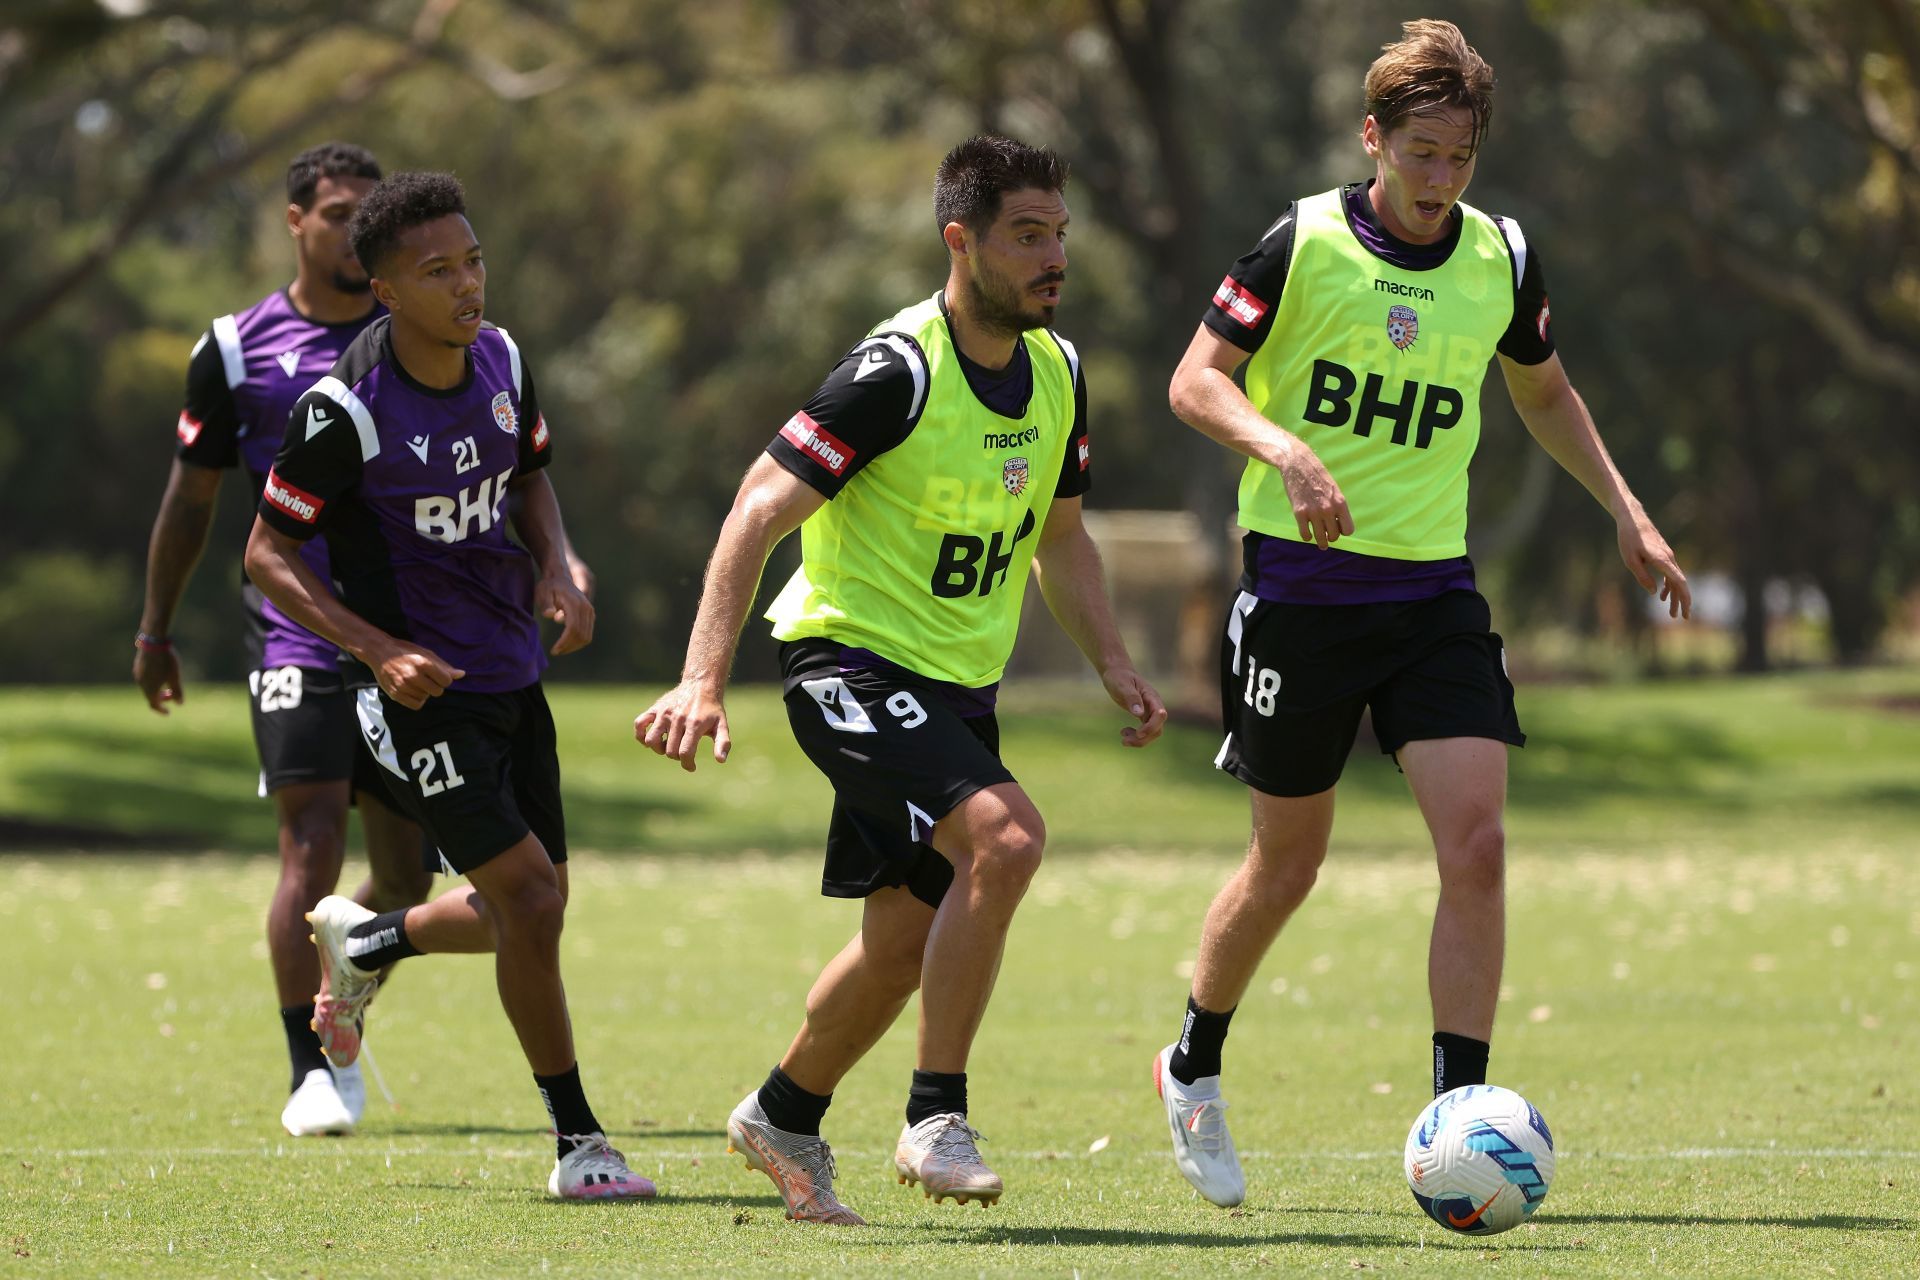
[908, 709]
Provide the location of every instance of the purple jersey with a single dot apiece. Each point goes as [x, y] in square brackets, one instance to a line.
[246, 372]
[409, 484]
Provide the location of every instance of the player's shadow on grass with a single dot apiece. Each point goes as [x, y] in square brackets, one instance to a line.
[1816, 1222]
[1101, 1237]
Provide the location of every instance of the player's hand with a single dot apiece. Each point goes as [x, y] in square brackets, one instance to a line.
[1138, 699]
[157, 672]
[679, 718]
[410, 676]
[1648, 554]
[1319, 508]
[566, 604]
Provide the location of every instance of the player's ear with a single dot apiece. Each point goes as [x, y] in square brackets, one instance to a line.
[1370, 136]
[956, 237]
[295, 215]
[382, 292]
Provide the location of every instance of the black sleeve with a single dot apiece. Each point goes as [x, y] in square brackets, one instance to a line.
[1529, 338]
[536, 445]
[319, 460]
[209, 426]
[1243, 306]
[1075, 476]
[867, 405]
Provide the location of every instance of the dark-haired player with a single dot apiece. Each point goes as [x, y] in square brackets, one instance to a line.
[1366, 318]
[943, 459]
[243, 378]
[406, 456]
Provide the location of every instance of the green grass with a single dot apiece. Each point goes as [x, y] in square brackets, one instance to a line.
[1713, 992]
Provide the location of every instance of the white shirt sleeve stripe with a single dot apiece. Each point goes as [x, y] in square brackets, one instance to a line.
[1073, 357]
[1516, 241]
[226, 332]
[911, 354]
[513, 358]
[356, 408]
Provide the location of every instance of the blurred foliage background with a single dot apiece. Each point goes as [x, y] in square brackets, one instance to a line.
[691, 209]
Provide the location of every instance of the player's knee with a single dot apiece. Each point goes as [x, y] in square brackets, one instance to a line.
[1011, 857]
[1281, 874]
[533, 913]
[314, 842]
[1476, 860]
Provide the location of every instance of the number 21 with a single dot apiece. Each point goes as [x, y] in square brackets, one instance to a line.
[423, 765]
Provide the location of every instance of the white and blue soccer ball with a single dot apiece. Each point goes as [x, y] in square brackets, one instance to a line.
[1479, 1160]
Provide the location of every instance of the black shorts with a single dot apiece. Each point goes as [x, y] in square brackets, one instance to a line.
[1295, 677]
[477, 771]
[900, 758]
[305, 730]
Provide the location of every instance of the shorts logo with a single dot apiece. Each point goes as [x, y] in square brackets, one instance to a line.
[1403, 326]
[842, 710]
[503, 415]
[540, 433]
[298, 503]
[817, 443]
[190, 427]
[1233, 298]
[1013, 474]
[1541, 321]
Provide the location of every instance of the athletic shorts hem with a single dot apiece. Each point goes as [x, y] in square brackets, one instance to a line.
[1510, 737]
[1279, 791]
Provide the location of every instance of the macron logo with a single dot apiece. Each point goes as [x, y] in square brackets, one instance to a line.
[298, 503]
[1231, 298]
[810, 438]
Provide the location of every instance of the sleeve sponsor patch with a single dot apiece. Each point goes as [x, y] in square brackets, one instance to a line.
[188, 428]
[1233, 298]
[1541, 321]
[540, 433]
[1086, 456]
[817, 443]
[296, 502]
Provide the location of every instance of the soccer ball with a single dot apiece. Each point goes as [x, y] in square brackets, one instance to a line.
[1479, 1159]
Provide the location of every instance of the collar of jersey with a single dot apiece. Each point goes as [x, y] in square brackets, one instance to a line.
[1407, 257]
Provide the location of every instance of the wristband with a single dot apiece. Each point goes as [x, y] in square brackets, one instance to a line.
[151, 643]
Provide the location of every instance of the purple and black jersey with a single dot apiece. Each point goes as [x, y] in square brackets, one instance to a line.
[246, 372]
[409, 484]
[1289, 572]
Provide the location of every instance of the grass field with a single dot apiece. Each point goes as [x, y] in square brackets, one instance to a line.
[1713, 992]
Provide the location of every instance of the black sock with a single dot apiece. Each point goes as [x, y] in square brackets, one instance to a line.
[1201, 1038]
[1457, 1060]
[790, 1107]
[374, 944]
[303, 1046]
[567, 1106]
[935, 1093]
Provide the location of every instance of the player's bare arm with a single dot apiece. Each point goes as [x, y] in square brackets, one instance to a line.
[408, 673]
[1557, 417]
[1073, 581]
[557, 595]
[179, 537]
[1204, 395]
[771, 504]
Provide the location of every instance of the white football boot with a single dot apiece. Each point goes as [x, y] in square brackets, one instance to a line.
[1202, 1147]
[939, 1153]
[595, 1171]
[340, 1010]
[316, 1107]
[800, 1164]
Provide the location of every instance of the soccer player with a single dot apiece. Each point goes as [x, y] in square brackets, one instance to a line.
[243, 378]
[405, 456]
[1366, 317]
[943, 459]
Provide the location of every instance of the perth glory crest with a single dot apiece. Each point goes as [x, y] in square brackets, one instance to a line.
[503, 415]
[1014, 475]
[1403, 326]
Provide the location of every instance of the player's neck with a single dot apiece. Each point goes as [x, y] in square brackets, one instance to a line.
[324, 304]
[983, 344]
[429, 361]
